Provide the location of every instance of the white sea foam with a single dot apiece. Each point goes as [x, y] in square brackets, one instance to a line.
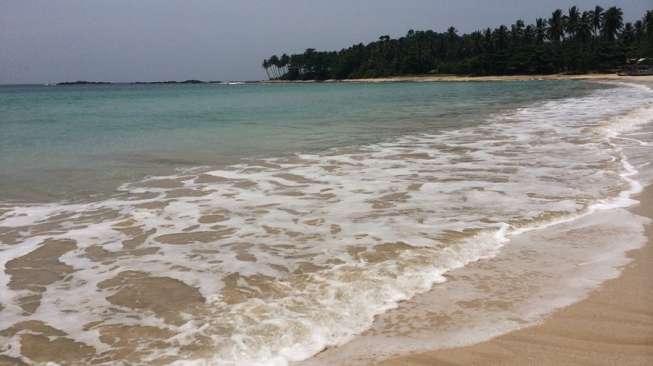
[303, 252]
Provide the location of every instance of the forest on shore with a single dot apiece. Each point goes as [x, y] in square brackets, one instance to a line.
[572, 42]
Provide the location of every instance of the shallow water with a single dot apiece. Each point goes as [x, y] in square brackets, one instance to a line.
[268, 256]
[74, 141]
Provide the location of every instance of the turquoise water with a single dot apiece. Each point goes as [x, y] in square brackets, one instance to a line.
[63, 142]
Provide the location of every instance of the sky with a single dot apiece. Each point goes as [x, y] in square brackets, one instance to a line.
[147, 40]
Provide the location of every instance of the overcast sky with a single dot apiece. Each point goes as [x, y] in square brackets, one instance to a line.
[145, 40]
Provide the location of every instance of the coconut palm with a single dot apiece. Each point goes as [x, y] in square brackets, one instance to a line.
[648, 25]
[555, 30]
[640, 31]
[274, 62]
[517, 31]
[571, 22]
[584, 28]
[628, 34]
[540, 30]
[284, 62]
[266, 66]
[487, 40]
[572, 41]
[501, 37]
[612, 22]
[597, 19]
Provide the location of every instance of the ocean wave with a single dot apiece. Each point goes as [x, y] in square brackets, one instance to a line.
[272, 260]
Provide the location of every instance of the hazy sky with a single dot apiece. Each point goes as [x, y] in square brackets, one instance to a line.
[129, 40]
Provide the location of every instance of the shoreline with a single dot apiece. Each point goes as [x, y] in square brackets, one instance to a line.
[388, 79]
[456, 78]
[606, 320]
[613, 325]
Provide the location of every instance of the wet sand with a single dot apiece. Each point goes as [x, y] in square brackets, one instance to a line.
[613, 326]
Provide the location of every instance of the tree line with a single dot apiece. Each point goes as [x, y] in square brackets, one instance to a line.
[572, 42]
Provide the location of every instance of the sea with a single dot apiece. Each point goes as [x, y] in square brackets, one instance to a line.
[260, 224]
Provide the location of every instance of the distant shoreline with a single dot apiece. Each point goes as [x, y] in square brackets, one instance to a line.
[462, 78]
[389, 79]
[191, 81]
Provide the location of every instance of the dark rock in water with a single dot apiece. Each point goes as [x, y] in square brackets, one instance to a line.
[84, 82]
[191, 81]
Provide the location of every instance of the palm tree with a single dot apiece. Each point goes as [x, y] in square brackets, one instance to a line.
[452, 34]
[487, 40]
[566, 41]
[640, 31]
[297, 63]
[584, 28]
[501, 35]
[452, 42]
[266, 66]
[529, 34]
[612, 22]
[648, 24]
[571, 22]
[284, 61]
[540, 30]
[555, 30]
[628, 34]
[274, 61]
[597, 19]
[477, 42]
[517, 32]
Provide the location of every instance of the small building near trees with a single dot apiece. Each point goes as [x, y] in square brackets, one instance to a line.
[638, 66]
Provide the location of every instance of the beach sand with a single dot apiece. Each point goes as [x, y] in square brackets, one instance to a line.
[434, 78]
[613, 326]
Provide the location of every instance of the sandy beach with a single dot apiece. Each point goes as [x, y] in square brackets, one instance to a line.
[613, 326]
[436, 78]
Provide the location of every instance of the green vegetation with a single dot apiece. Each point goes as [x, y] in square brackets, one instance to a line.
[576, 42]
